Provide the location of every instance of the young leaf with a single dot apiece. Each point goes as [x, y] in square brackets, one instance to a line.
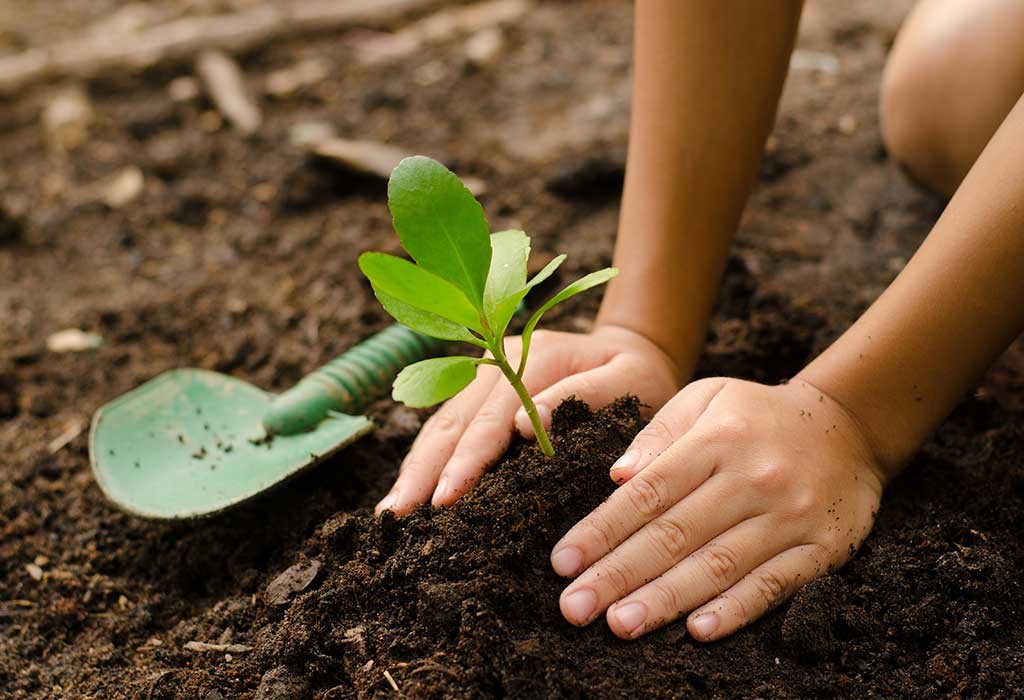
[441, 225]
[507, 308]
[581, 285]
[501, 316]
[432, 381]
[507, 276]
[424, 321]
[408, 283]
[546, 272]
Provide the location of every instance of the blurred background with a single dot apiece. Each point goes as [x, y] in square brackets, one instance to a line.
[183, 164]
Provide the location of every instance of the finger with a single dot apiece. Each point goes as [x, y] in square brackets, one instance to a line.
[679, 470]
[483, 442]
[594, 385]
[655, 548]
[668, 425]
[435, 443]
[761, 590]
[700, 577]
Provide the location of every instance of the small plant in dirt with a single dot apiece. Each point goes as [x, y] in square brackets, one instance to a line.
[465, 285]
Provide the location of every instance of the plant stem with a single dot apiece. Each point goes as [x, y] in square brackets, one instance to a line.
[524, 396]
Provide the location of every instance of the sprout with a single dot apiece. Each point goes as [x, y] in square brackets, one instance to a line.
[465, 285]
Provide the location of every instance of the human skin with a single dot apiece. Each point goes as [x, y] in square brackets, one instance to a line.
[736, 493]
[964, 56]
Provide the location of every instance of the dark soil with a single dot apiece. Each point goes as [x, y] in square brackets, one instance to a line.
[240, 255]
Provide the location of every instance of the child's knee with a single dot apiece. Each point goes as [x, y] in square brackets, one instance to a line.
[954, 73]
[923, 130]
[915, 133]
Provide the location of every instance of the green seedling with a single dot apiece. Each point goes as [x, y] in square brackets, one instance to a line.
[465, 284]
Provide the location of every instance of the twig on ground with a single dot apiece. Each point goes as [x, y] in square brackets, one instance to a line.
[225, 85]
[226, 648]
[373, 158]
[438, 27]
[90, 55]
[73, 430]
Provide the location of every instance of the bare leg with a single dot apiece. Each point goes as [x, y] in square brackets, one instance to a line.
[956, 70]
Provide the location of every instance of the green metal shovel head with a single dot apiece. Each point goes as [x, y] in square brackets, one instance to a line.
[191, 442]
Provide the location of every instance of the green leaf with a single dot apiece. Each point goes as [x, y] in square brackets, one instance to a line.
[506, 278]
[432, 381]
[425, 322]
[546, 272]
[441, 225]
[410, 284]
[581, 285]
[507, 308]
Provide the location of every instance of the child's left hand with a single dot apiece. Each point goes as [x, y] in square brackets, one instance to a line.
[734, 496]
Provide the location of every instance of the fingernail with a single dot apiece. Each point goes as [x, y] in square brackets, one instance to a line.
[544, 412]
[704, 625]
[580, 606]
[567, 561]
[386, 502]
[623, 464]
[631, 617]
[523, 424]
[441, 492]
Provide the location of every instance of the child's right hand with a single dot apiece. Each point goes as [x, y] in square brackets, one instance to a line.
[472, 430]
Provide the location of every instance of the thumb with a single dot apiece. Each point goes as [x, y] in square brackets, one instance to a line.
[668, 425]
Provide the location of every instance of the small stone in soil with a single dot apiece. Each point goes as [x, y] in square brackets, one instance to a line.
[123, 188]
[73, 340]
[183, 89]
[294, 579]
[281, 683]
[67, 118]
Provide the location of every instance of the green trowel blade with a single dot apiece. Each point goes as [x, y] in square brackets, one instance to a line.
[191, 443]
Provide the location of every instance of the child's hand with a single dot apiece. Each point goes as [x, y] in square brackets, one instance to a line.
[734, 496]
[473, 429]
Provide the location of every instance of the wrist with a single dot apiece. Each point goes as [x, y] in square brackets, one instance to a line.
[889, 445]
[681, 355]
[638, 302]
[623, 337]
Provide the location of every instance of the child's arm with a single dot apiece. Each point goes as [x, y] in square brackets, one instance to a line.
[742, 493]
[955, 307]
[707, 79]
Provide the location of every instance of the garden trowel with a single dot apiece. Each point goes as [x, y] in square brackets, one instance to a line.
[192, 442]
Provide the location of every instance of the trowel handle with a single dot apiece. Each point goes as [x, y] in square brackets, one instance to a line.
[349, 382]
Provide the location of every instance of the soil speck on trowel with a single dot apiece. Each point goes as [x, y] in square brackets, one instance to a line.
[262, 440]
